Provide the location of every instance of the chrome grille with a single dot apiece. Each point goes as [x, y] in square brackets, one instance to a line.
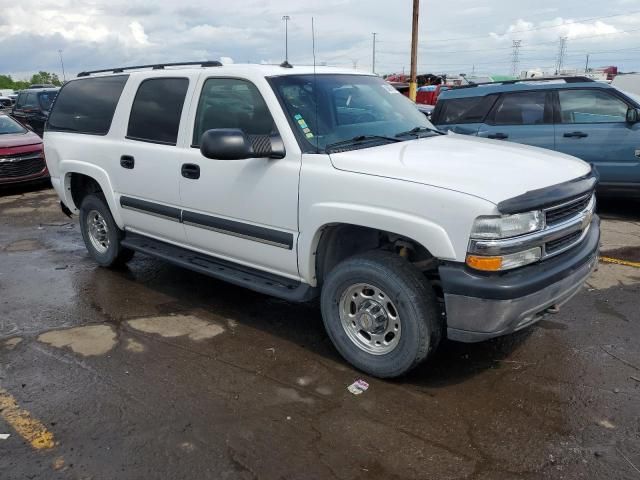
[21, 165]
[560, 213]
[562, 242]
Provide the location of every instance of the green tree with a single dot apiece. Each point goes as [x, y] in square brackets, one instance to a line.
[45, 77]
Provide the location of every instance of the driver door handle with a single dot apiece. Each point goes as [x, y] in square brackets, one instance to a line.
[191, 171]
[576, 135]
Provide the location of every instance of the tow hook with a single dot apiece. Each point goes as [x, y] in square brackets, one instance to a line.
[65, 210]
[553, 309]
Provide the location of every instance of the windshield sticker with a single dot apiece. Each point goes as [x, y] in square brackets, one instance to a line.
[389, 88]
[303, 125]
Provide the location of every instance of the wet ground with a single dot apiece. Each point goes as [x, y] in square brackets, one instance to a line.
[156, 372]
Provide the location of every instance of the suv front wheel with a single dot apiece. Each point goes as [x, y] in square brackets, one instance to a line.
[100, 233]
[380, 313]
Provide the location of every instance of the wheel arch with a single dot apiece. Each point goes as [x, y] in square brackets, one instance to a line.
[80, 179]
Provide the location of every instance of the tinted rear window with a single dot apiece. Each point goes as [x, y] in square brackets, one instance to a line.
[47, 98]
[155, 114]
[464, 110]
[87, 105]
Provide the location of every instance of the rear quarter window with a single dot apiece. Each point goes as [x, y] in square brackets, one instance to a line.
[156, 110]
[463, 110]
[87, 105]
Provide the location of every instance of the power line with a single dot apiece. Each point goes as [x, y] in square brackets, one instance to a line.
[526, 49]
[570, 22]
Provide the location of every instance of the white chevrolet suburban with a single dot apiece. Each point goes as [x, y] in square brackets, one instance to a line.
[302, 183]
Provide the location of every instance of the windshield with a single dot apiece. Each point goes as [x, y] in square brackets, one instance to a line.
[8, 125]
[345, 107]
[46, 99]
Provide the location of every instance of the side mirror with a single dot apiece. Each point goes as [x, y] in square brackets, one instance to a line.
[234, 144]
[633, 115]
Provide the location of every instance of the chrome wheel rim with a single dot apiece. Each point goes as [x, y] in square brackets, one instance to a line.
[98, 231]
[370, 319]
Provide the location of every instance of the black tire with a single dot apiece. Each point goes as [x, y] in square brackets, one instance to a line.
[115, 254]
[413, 298]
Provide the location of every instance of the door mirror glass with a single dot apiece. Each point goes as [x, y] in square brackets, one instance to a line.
[234, 144]
[633, 115]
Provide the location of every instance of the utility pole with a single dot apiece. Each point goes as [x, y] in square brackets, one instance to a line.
[286, 19]
[515, 58]
[562, 50]
[355, 63]
[64, 77]
[586, 65]
[413, 85]
[373, 61]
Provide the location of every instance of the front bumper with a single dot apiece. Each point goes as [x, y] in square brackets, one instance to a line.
[482, 306]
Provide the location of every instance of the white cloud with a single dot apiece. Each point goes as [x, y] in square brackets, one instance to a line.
[453, 38]
[137, 32]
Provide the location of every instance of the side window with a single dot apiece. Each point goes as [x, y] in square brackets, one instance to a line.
[464, 110]
[231, 103]
[156, 111]
[31, 101]
[46, 99]
[591, 106]
[87, 105]
[20, 100]
[525, 108]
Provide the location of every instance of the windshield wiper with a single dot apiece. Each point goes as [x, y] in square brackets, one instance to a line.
[359, 140]
[418, 130]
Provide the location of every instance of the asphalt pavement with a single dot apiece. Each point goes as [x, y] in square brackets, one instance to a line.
[152, 372]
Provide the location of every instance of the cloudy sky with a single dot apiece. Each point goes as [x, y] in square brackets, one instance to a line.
[459, 36]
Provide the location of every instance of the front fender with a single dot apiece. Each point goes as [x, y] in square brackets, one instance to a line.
[425, 232]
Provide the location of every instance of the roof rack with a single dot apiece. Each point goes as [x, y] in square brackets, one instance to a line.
[575, 79]
[156, 66]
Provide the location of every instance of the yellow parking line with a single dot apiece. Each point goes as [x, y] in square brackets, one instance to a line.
[29, 428]
[620, 262]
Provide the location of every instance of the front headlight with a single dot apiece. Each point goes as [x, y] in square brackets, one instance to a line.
[507, 226]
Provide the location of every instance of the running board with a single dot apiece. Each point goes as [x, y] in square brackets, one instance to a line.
[263, 282]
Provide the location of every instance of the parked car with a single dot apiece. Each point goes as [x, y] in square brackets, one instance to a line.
[32, 107]
[5, 103]
[21, 153]
[329, 184]
[577, 116]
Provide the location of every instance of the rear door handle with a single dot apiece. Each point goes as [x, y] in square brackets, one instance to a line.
[498, 136]
[576, 135]
[127, 161]
[191, 171]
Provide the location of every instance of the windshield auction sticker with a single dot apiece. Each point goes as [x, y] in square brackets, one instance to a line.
[303, 125]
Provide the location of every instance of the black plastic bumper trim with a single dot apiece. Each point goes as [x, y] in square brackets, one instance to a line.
[549, 196]
[458, 279]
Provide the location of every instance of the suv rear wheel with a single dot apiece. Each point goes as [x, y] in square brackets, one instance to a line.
[380, 313]
[100, 233]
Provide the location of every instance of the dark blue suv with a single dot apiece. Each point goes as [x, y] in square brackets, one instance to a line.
[577, 116]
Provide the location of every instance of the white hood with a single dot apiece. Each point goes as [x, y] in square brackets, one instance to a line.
[489, 169]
